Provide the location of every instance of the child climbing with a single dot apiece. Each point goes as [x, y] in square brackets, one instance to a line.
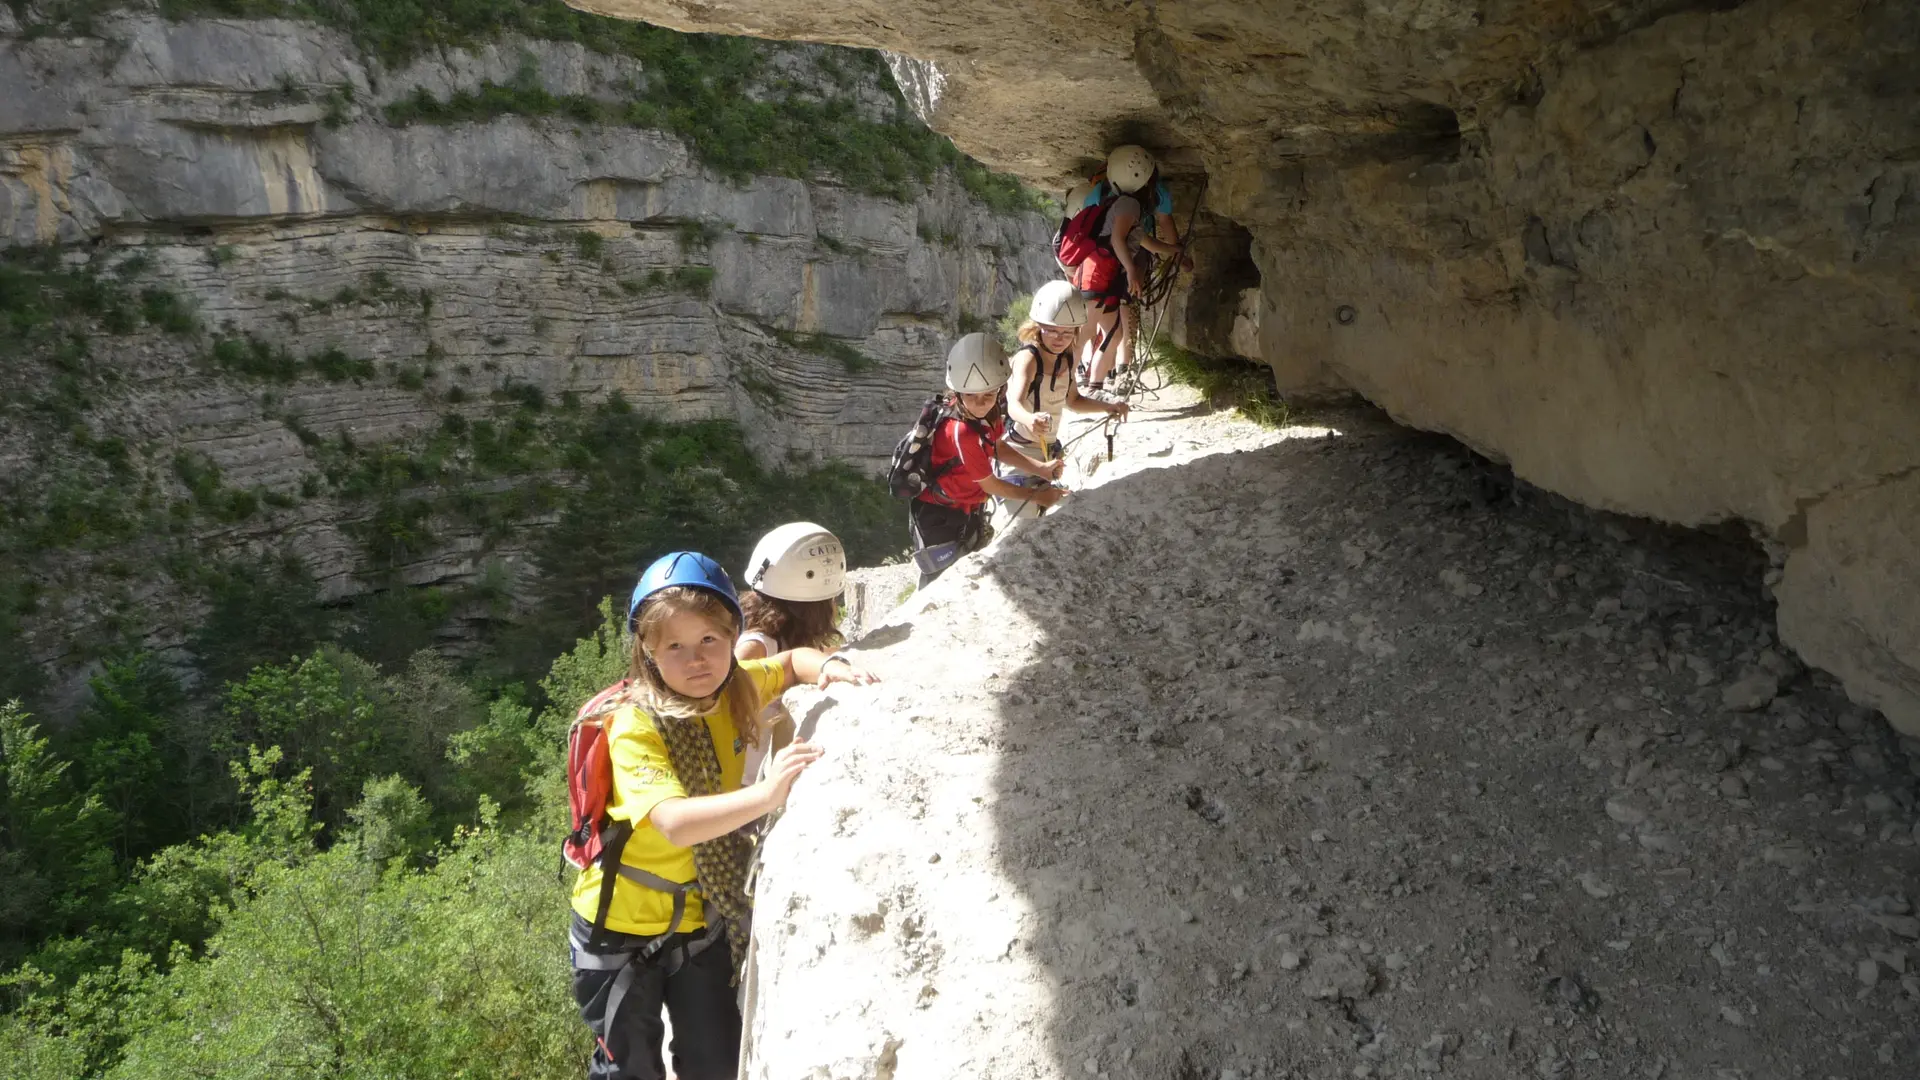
[1044, 390]
[948, 517]
[794, 581]
[1130, 184]
[661, 928]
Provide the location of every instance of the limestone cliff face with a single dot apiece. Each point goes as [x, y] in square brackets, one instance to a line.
[265, 140]
[253, 166]
[1662, 256]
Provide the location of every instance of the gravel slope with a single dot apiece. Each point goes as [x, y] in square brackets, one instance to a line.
[1336, 754]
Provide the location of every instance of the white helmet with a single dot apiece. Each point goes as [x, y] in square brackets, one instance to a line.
[1077, 197]
[1058, 303]
[800, 561]
[977, 365]
[1129, 168]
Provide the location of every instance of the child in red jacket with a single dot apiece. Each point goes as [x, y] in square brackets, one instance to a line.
[949, 519]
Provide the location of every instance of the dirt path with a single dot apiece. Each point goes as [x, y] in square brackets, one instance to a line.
[1333, 754]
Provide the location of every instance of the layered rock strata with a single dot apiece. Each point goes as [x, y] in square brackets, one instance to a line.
[264, 141]
[253, 167]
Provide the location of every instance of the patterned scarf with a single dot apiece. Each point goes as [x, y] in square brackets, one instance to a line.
[721, 864]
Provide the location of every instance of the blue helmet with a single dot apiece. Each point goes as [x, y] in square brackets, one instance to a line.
[688, 568]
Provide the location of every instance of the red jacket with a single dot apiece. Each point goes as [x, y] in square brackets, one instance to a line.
[970, 446]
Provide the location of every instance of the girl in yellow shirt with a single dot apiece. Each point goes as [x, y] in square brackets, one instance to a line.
[677, 738]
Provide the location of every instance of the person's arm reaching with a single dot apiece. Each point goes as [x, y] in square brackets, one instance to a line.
[1045, 496]
[686, 821]
[1125, 217]
[1044, 470]
[815, 668]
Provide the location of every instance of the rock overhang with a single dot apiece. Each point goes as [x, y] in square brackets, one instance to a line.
[1661, 256]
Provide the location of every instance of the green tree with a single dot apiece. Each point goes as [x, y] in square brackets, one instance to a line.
[177, 897]
[395, 623]
[426, 705]
[54, 853]
[334, 969]
[324, 713]
[496, 759]
[134, 748]
[258, 614]
[392, 822]
[61, 1034]
[253, 953]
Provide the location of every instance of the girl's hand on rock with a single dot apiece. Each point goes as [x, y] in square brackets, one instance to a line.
[788, 764]
[844, 670]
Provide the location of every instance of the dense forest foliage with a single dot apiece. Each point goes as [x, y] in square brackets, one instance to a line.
[304, 841]
[313, 844]
[374, 895]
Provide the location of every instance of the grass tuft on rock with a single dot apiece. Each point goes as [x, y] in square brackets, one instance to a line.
[1242, 384]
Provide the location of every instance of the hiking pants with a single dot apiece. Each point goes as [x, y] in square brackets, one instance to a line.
[621, 1001]
[943, 533]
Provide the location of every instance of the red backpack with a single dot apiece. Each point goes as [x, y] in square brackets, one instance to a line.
[590, 780]
[1082, 252]
[597, 840]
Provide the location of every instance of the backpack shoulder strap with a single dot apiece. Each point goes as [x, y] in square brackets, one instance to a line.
[613, 841]
[613, 845]
[602, 701]
[1031, 395]
[938, 469]
[1061, 362]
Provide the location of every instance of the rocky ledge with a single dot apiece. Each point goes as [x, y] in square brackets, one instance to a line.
[1660, 255]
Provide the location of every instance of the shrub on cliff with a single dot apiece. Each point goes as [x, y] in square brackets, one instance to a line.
[351, 961]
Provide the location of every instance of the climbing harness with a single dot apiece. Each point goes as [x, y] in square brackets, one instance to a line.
[1147, 356]
[1160, 283]
[599, 841]
[1053, 307]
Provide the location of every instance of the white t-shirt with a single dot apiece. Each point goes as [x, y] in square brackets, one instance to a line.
[756, 756]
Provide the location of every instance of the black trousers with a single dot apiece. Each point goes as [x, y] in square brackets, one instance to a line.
[933, 524]
[621, 1004]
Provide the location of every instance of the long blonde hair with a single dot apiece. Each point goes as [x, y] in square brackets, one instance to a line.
[657, 698]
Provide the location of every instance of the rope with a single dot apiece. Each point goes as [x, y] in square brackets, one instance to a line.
[1146, 358]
